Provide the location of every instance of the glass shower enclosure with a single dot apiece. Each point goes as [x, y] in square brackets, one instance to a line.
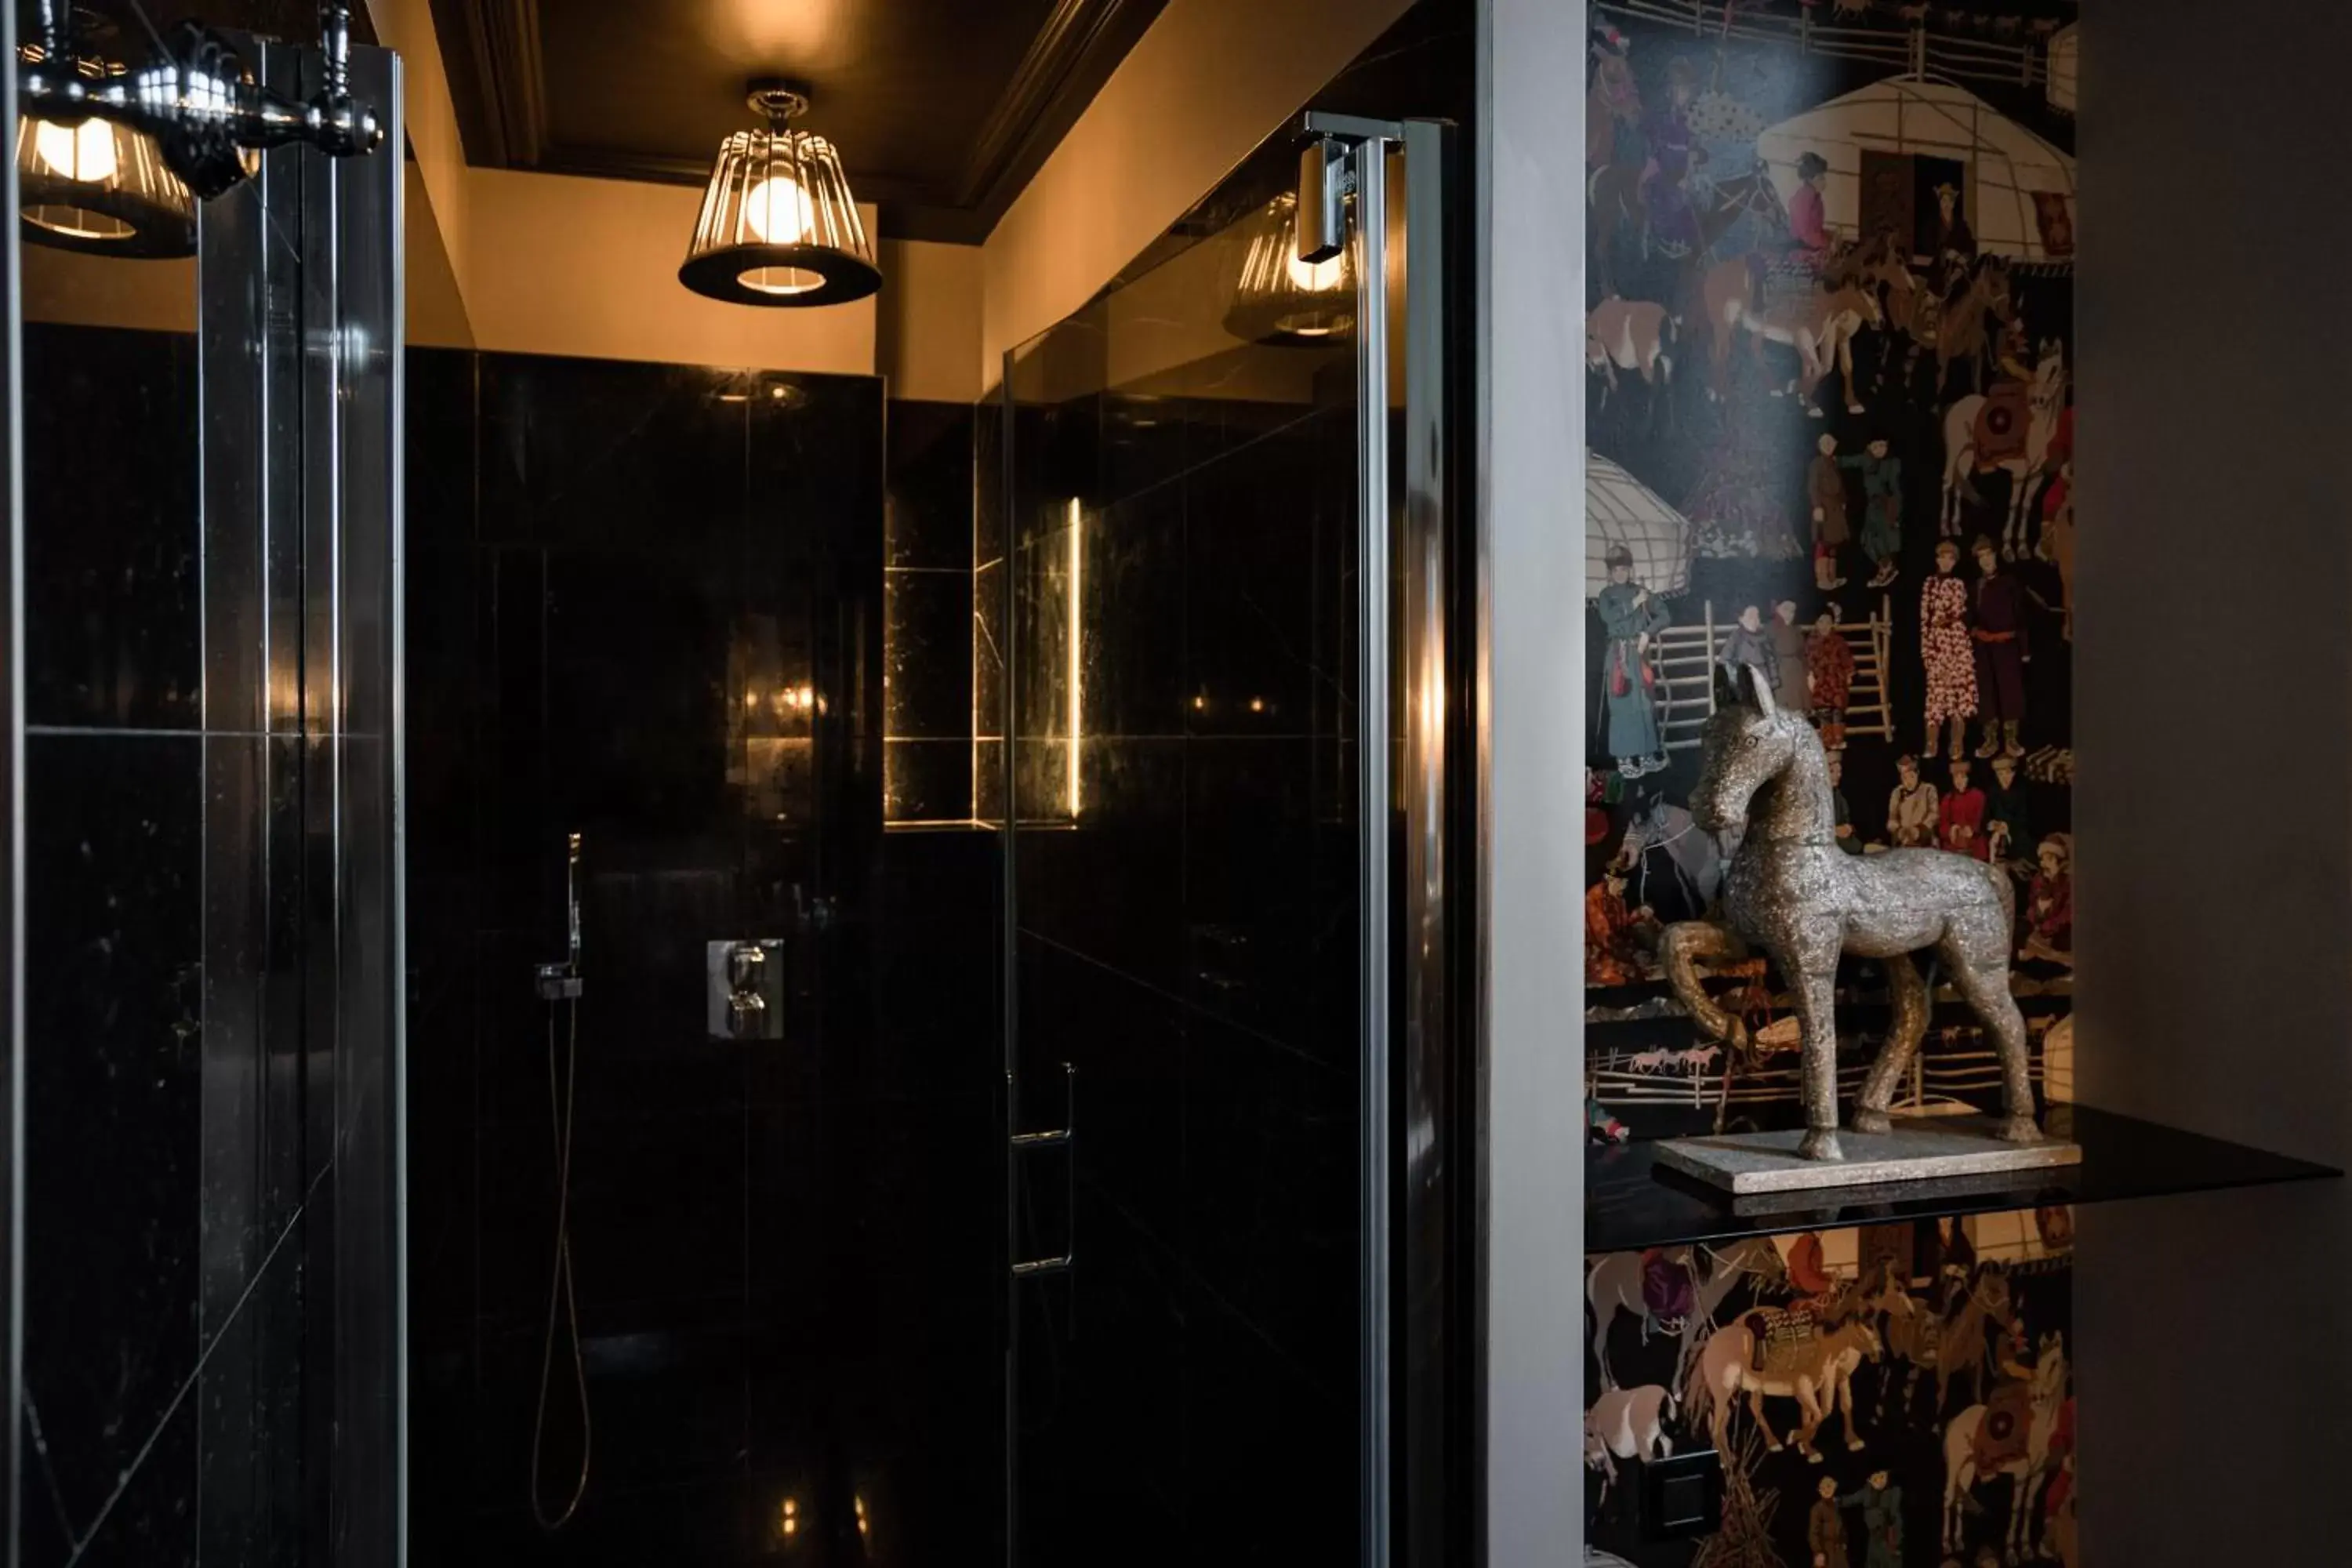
[1224, 574]
[203, 869]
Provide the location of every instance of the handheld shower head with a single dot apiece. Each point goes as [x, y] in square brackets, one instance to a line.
[560, 982]
[572, 900]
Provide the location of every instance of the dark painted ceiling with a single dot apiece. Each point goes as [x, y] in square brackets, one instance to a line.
[942, 109]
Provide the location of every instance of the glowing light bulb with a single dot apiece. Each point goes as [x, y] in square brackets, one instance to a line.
[1315, 276]
[778, 211]
[83, 153]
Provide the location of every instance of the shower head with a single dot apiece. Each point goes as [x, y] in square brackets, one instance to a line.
[560, 982]
[572, 900]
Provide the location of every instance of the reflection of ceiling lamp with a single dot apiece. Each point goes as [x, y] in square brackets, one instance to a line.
[778, 224]
[112, 161]
[89, 184]
[1279, 299]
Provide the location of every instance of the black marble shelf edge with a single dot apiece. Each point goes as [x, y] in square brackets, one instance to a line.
[1682, 1211]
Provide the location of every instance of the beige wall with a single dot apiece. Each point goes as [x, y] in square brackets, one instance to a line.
[927, 321]
[75, 290]
[561, 266]
[431, 119]
[437, 306]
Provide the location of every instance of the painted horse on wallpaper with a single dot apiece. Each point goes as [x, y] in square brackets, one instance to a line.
[1819, 324]
[1974, 1452]
[2045, 409]
[1635, 335]
[1615, 1287]
[1794, 894]
[1968, 322]
[1951, 1345]
[1815, 1368]
[1962, 326]
[1627, 1424]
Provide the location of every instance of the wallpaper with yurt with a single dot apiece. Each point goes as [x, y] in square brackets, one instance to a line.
[1830, 430]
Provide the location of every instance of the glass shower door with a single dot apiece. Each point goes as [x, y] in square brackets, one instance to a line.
[209, 970]
[1208, 1042]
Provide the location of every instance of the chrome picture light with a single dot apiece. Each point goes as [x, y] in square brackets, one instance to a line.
[92, 133]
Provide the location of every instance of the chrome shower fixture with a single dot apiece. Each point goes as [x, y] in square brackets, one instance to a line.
[561, 981]
[198, 100]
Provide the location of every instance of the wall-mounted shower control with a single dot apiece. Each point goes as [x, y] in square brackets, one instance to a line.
[745, 989]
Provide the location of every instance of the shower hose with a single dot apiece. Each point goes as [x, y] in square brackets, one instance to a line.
[559, 1286]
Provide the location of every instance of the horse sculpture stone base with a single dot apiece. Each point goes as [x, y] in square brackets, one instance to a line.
[1915, 1149]
[1792, 894]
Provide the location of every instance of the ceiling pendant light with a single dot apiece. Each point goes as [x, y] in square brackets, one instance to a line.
[91, 185]
[778, 224]
[1277, 298]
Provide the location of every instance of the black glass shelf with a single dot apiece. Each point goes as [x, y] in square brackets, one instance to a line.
[1631, 1202]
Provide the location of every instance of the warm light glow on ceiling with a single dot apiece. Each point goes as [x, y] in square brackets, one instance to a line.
[817, 35]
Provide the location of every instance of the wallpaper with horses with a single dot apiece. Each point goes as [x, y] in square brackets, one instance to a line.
[1830, 435]
[1881, 1396]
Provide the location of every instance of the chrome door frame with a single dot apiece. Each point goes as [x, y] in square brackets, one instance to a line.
[1410, 684]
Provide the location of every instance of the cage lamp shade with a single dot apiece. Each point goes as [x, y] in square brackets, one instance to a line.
[99, 187]
[778, 224]
[1279, 299]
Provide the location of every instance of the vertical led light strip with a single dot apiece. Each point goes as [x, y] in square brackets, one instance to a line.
[1077, 694]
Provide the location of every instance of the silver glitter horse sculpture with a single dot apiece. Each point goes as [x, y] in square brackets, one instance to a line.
[1792, 893]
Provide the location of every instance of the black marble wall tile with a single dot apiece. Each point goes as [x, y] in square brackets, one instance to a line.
[1249, 908]
[1270, 1152]
[704, 1521]
[936, 1029]
[1113, 888]
[1133, 597]
[254, 1117]
[1251, 666]
[1101, 1406]
[248, 1405]
[151, 1521]
[929, 516]
[786, 1252]
[988, 531]
[114, 1099]
[638, 668]
[113, 528]
[1144, 443]
[666, 1404]
[587, 452]
[928, 654]
[1129, 1045]
[991, 792]
[439, 462]
[927, 781]
[1269, 1460]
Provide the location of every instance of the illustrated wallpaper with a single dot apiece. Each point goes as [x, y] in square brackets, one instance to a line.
[1830, 435]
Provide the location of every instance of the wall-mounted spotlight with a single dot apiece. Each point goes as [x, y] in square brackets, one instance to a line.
[778, 224]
